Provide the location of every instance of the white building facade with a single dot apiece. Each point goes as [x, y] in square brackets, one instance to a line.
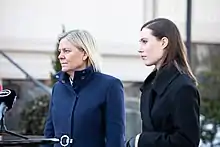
[29, 31]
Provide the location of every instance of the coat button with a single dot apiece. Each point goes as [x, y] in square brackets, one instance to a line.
[63, 81]
[82, 77]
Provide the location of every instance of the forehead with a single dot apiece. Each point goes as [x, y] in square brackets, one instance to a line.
[64, 43]
[146, 33]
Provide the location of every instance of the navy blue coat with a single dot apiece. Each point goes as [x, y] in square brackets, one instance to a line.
[91, 112]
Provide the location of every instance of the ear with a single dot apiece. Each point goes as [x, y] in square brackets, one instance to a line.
[85, 56]
[164, 42]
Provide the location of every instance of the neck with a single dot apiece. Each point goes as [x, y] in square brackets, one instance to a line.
[71, 74]
[158, 65]
[84, 66]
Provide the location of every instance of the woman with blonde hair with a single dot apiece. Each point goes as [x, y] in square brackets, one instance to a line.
[87, 106]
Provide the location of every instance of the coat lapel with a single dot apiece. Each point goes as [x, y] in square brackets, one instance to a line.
[153, 87]
[147, 101]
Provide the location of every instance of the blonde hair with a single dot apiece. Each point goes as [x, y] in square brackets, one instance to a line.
[83, 40]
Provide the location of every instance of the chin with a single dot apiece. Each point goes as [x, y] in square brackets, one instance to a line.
[148, 64]
[65, 69]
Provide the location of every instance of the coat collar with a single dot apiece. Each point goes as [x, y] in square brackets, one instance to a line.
[79, 76]
[162, 78]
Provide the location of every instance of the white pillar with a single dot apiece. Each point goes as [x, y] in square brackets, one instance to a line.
[149, 10]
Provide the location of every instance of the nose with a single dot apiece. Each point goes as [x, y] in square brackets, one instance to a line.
[60, 56]
[140, 50]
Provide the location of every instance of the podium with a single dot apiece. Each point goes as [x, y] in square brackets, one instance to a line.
[33, 141]
[9, 138]
[30, 142]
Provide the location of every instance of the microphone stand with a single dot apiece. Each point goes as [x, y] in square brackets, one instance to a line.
[3, 129]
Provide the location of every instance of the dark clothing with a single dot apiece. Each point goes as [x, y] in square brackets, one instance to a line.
[91, 112]
[169, 110]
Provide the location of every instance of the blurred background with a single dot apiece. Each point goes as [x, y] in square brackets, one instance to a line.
[29, 30]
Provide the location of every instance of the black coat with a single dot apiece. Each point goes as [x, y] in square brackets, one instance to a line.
[169, 110]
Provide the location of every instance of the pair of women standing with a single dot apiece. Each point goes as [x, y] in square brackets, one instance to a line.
[88, 106]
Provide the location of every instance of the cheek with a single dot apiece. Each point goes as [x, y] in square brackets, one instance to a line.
[159, 52]
[74, 59]
[153, 52]
[70, 58]
[149, 49]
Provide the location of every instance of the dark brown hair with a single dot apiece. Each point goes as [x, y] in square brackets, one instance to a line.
[175, 51]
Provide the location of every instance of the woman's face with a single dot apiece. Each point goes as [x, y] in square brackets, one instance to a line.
[70, 57]
[151, 49]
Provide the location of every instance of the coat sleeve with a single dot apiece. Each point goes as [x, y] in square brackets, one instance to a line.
[185, 121]
[49, 128]
[115, 115]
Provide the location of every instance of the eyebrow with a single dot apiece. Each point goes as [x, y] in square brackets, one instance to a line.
[64, 48]
[143, 39]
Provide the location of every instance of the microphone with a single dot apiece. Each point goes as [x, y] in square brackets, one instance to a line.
[7, 100]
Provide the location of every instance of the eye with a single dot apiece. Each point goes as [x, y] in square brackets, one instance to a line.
[143, 41]
[65, 50]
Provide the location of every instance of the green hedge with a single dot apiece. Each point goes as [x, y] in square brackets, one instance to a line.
[34, 115]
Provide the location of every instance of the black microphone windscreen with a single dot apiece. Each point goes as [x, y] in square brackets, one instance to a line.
[8, 96]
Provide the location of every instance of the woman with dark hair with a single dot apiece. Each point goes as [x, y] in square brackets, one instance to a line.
[170, 99]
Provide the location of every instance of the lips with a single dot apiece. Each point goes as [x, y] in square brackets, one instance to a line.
[63, 64]
[144, 57]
